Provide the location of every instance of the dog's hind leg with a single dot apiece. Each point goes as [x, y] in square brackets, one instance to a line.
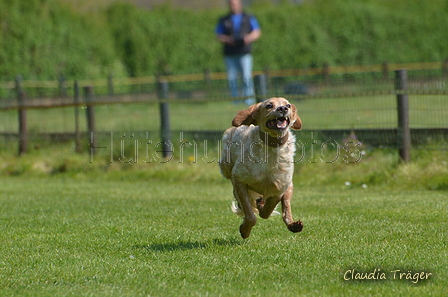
[293, 226]
[242, 196]
[266, 207]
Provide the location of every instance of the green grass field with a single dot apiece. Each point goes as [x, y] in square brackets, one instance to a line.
[81, 225]
[171, 233]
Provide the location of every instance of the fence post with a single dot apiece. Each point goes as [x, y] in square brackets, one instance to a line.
[326, 72]
[23, 131]
[403, 131]
[62, 88]
[165, 129]
[110, 84]
[445, 67]
[261, 87]
[267, 72]
[207, 77]
[76, 101]
[90, 113]
[385, 70]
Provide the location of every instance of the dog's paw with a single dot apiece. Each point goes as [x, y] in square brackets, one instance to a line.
[295, 226]
[246, 227]
[244, 232]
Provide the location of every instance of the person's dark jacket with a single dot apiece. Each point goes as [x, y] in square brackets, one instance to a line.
[239, 48]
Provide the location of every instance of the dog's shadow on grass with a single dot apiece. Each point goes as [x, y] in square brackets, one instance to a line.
[187, 245]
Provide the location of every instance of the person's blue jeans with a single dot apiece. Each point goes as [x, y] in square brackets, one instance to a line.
[240, 64]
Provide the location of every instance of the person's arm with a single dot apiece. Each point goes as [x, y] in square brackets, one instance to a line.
[252, 36]
[255, 33]
[225, 39]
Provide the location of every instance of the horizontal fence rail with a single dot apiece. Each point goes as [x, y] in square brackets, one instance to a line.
[385, 69]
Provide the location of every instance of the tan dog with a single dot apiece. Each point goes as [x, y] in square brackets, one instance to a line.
[258, 157]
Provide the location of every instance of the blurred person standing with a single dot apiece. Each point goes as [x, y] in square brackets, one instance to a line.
[237, 30]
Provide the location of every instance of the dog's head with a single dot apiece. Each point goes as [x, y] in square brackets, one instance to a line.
[274, 116]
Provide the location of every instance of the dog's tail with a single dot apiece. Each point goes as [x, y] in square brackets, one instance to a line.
[239, 212]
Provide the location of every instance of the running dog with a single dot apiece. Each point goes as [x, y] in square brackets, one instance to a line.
[258, 157]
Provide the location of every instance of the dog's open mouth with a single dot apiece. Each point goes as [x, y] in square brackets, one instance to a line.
[279, 123]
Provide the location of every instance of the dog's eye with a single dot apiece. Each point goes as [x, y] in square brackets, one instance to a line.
[269, 106]
[288, 105]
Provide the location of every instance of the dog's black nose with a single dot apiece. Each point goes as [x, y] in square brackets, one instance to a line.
[282, 109]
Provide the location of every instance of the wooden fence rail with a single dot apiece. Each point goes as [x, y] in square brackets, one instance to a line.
[110, 82]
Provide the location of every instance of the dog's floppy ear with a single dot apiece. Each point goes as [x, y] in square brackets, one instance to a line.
[247, 116]
[298, 122]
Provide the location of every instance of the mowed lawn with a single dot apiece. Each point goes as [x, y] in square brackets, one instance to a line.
[100, 237]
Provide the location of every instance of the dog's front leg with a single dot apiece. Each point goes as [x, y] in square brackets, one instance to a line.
[293, 226]
[242, 196]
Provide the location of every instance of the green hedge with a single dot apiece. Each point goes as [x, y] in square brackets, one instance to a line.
[42, 39]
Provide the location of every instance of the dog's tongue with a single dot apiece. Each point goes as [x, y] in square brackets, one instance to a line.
[281, 123]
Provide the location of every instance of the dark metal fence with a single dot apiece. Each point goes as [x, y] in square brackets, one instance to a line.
[333, 106]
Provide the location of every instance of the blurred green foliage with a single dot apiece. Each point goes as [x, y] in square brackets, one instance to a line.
[42, 39]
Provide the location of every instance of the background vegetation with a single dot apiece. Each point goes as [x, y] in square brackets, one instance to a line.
[363, 168]
[42, 39]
